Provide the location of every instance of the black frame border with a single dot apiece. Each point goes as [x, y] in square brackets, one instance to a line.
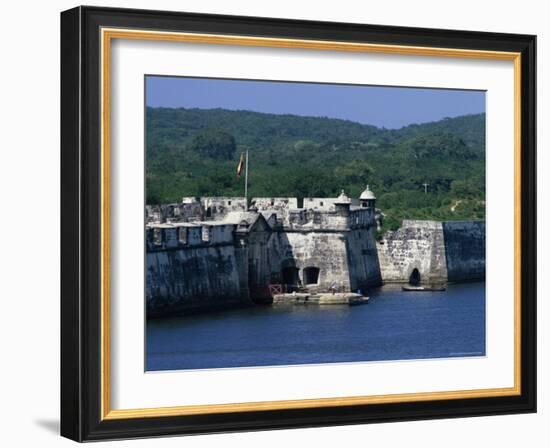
[81, 223]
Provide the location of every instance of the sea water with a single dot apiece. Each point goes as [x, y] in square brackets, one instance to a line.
[394, 325]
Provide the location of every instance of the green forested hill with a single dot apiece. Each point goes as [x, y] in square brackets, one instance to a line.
[193, 152]
[470, 128]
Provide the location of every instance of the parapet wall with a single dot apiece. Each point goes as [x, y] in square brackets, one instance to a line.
[439, 251]
[465, 250]
[194, 279]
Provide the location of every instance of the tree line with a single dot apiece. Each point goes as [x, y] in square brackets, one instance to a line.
[194, 152]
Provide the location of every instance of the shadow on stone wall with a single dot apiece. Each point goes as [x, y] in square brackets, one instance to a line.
[465, 250]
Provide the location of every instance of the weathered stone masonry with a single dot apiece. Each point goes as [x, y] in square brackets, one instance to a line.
[464, 250]
[438, 251]
[212, 252]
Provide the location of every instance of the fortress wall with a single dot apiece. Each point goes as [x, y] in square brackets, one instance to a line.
[258, 263]
[233, 203]
[325, 204]
[217, 207]
[417, 244]
[194, 235]
[309, 219]
[218, 233]
[325, 251]
[465, 249]
[438, 262]
[171, 235]
[364, 268]
[441, 251]
[278, 207]
[195, 278]
[275, 203]
[361, 217]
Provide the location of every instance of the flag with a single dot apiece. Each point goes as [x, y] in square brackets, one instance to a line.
[240, 165]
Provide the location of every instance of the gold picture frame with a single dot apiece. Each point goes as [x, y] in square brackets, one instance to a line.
[120, 25]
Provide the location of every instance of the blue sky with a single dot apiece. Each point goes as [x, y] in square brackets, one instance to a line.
[390, 107]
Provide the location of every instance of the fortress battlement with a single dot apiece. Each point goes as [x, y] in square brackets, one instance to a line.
[282, 213]
[219, 250]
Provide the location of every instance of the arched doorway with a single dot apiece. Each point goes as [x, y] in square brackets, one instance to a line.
[311, 275]
[414, 278]
[290, 275]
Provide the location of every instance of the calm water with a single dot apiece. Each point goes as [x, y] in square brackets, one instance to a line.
[394, 325]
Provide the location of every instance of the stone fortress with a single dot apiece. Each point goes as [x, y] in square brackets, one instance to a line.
[208, 251]
[218, 252]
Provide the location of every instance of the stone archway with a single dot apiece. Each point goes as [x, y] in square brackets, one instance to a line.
[415, 278]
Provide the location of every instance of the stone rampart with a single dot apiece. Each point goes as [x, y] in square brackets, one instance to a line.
[433, 251]
[465, 250]
[225, 255]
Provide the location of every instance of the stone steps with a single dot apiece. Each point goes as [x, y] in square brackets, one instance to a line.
[340, 298]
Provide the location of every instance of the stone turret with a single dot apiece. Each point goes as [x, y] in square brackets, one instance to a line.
[342, 204]
[367, 198]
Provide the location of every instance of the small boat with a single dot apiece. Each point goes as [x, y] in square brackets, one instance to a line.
[423, 288]
[355, 301]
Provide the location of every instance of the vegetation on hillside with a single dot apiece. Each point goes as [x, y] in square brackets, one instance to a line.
[194, 152]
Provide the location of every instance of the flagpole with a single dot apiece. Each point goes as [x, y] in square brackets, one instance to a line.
[246, 179]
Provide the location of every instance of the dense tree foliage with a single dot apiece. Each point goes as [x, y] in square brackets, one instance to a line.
[213, 143]
[193, 152]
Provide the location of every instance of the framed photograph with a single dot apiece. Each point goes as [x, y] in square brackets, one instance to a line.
[273, 223]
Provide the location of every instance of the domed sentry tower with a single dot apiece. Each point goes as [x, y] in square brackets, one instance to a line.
[367, 199]
[342, 204]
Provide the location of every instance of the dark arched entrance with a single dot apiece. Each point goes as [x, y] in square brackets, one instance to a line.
[311, 275]
[290, 275]
[414, 278]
